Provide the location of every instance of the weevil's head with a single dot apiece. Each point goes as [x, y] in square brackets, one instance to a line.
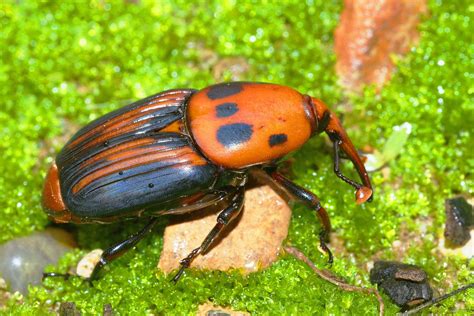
[328, 122]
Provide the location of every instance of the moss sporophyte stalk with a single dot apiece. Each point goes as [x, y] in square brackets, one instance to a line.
[66, 64]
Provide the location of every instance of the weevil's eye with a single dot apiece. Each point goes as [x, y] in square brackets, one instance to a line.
[321, 113]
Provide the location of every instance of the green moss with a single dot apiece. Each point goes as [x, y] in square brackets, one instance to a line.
[66, 64]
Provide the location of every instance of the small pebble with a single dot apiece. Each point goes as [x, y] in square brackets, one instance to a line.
[209, 309]
[405, 284]
[413, 274]
[108, 311]
[459, 220]
[22, 260]
[407, 294]
[3, 284]
[87, 263]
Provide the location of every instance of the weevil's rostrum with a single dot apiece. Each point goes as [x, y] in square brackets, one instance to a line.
[183, 150]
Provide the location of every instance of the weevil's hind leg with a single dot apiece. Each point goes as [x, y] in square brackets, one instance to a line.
[111, 253]
[65, 276]
[311, 201]
[122, 247]
[224, 218]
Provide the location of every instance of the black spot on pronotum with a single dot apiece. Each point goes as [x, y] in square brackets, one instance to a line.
[120, 173]
[277, 139]
[223, 90]
[151, 185]
[234, 134]
[226, 109]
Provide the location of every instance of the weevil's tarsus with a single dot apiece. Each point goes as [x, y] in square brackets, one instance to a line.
[323, 247]
[65, 276]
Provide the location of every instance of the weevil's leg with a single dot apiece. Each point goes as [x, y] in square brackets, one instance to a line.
[311, 201]
[363, 192]
[65, 276]
[224, 218]
[337, 171]
[122, 247]
[111, 253]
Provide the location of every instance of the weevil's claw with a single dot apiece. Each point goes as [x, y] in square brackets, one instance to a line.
[178, 275]
[323, 247]
[326, 251]
[330, 259]
[185, 263]
[363, 194]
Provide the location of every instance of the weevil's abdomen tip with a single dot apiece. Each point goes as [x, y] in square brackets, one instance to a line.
[52, 198]
[363, 194]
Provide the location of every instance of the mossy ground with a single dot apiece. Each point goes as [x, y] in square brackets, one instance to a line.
[64, 64]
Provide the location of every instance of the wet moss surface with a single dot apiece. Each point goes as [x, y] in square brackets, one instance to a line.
[64, 65]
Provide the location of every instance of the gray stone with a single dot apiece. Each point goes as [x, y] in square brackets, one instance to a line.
[459, 220]
[405, 284]
[22, 260]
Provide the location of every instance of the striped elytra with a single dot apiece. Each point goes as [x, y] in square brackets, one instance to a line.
[134, 159]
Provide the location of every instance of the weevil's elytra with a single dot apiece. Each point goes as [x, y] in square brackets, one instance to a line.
[168, 162]
[163, 108]
[183, 150]
[52, 197]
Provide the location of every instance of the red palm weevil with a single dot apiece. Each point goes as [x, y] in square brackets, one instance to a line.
[183, 150]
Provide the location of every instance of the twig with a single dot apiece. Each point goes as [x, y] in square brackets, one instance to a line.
[328, 276]
[438, 299]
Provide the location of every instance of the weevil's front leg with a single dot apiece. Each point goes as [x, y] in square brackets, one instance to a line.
[363, 193]
[311, 201]
[223, 220]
